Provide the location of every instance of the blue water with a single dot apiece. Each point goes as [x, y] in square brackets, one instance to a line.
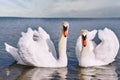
[10, 32]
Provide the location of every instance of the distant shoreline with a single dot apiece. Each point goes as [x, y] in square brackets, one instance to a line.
[65, 18]
[90, 18]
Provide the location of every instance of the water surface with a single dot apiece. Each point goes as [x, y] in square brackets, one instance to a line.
[10, 31]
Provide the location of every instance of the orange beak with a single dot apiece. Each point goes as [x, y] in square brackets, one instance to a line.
[65, 33]
[84, 41]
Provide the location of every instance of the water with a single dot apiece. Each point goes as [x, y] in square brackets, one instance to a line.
[10, 31]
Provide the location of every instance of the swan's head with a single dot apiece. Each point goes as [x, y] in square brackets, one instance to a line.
[65, 26]
[83, 34]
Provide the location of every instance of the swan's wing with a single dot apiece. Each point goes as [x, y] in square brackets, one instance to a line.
[14, 52]
[27, 47]
[109, 46]
[43, 33]
[78, 47]
[33, 47]
[92, 34]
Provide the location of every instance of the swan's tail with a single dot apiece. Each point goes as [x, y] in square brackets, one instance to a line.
[14, 52]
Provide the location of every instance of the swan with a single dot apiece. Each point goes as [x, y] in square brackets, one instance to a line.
[89, 54]
[35, 48]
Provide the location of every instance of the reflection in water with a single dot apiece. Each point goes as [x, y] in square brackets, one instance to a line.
[98, 73]
[19, 72]
[11, 72]
[7, 70]
[43, 74]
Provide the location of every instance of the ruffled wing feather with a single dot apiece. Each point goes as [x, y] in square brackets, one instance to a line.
[107, 50]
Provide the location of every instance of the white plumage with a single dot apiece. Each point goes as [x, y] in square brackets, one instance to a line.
[35, 48]
[96, 55]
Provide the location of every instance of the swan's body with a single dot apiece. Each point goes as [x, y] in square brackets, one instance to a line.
[35, 48]
[90, 54]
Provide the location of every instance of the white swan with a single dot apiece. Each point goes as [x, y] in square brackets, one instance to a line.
[35, 48]
[90, 54]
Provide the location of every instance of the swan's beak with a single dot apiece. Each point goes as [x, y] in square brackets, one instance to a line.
[84, 41]
[65, 31]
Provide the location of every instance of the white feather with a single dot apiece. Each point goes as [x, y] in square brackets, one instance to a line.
[35, 48]
[101, 54]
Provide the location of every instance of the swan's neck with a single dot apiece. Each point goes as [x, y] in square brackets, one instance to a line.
[88, 49]
[87, 56]
[62, 51]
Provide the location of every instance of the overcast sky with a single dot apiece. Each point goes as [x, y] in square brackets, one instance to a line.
[60, 8]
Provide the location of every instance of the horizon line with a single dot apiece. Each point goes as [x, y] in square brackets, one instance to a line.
[59, 17]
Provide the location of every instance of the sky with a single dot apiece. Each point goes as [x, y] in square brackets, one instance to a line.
[60, 8]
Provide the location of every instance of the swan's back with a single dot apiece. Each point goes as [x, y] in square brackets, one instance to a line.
[107, 50]
[35, 46]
